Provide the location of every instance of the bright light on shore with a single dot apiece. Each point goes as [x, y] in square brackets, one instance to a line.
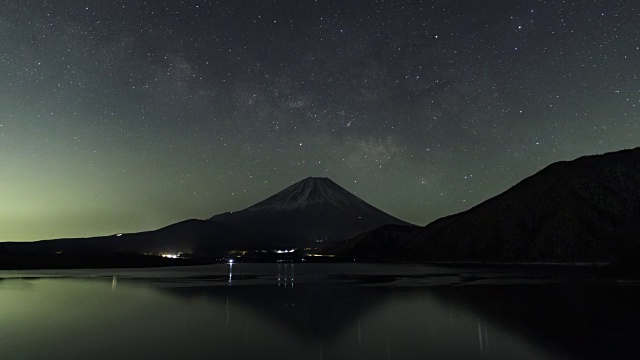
[170, 256]
[285, 251]
[230, 261]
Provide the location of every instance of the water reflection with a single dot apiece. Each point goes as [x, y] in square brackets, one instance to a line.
[365, 323]
[286, 275]
[483, 338]
[174, 318]
[228, 317]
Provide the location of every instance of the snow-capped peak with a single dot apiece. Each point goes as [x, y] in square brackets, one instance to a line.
[312, 191]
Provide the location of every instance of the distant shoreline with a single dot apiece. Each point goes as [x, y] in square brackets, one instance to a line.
[25, 262]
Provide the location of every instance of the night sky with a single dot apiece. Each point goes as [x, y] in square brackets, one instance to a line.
[123, 116]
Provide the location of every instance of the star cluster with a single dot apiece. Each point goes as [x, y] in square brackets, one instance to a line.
[125, 116]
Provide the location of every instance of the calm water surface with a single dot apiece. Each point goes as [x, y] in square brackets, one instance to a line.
[316, 311]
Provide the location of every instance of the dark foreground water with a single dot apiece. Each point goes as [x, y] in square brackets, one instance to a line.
[317, 311]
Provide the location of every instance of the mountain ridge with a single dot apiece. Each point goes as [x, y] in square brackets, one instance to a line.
[308, 215]
[587, 209]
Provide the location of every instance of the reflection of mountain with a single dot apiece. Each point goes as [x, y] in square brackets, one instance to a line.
[580, 321]
[570, 319]
[582, 210]
[303, 309]
[317, 310]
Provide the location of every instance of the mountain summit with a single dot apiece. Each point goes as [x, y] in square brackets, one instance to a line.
[310, 211]
[313, 191]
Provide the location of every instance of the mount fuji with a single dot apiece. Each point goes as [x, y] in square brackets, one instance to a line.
[312, 211]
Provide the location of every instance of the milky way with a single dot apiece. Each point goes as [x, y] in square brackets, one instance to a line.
[120, 116]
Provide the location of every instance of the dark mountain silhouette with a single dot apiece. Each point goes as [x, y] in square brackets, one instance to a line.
[586, 210]
[189, 236]
[380, 244]
[311, 212]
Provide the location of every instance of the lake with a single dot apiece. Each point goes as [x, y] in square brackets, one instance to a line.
[318, 311]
